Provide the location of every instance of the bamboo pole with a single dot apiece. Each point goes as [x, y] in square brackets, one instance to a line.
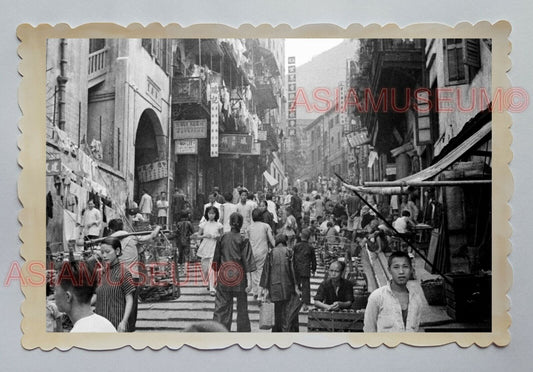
[427, 183]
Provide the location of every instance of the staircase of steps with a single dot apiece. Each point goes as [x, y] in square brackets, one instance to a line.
[195, 304]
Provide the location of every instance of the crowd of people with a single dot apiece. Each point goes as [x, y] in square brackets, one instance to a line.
[259, 245]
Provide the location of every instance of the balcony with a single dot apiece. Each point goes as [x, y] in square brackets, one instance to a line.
[397, 53]
[189, 90]
[98, 67]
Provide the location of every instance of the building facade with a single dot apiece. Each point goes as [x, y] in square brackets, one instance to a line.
[426, 107]
[125, 116]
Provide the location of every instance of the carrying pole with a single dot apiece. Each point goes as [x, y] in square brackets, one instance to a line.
[395, 231]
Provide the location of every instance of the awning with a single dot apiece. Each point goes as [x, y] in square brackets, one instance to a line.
[399, 186]
[271, 180]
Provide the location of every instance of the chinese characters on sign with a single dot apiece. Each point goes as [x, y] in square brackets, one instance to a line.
[214, 122]
[292, 93]
[357, 138]
[261, 135]
[187, 146]
[53, 167]
[185, 129]
[235, 144]
[153, 171]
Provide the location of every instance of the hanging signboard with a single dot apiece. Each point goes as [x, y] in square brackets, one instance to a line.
[391, 169]
[357, 138]
[291, 84]
[184, 129]
[235, 144]
[261, 135]
[256, 148]
[152, 171]
[53, 167]
[186, 147]
[214, 123]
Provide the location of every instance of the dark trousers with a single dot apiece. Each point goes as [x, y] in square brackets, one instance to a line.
[183, 253]
[224, 309]
[133, 315]
[282, 323]
[304, 283]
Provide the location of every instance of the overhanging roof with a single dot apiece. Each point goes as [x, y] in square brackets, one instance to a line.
[453, 155]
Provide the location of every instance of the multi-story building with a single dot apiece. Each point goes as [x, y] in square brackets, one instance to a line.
[128, 115]
[245, 77]
[108, 114]
[328, 149]
[425, 105]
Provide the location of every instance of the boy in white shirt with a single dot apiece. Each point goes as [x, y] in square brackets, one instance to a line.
[73, 292]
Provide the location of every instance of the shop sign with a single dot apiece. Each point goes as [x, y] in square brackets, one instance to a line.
[357, 138]
[214, 148]
[235, 144]
[185, 129]
[186, 147]
[261, 135]
[53, 167]
[390, 170]
[152, 171]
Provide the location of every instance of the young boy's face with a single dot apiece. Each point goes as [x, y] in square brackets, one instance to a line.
[400, 270]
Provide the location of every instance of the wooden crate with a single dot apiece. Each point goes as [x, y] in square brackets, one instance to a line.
[468, 297]
[335, 321]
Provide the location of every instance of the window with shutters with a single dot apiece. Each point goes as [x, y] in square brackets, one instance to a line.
[462, 60]
[426, 116]
[160, 50]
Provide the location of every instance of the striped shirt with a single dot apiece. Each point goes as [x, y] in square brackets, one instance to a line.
[116, 282]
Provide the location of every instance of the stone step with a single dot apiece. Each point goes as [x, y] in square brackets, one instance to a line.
[195, 304]
[173, 326]
[190, 315]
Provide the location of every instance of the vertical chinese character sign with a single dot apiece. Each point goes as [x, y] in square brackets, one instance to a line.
[291, 83]
[214, 121]
[341, 108]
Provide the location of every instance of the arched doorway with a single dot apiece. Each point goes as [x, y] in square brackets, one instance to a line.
[150, 153]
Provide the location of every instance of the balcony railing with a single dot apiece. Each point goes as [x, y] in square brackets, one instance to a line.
[97, 64]
[189, 90]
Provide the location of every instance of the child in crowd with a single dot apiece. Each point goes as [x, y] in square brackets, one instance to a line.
[209, 231]
[184, 230]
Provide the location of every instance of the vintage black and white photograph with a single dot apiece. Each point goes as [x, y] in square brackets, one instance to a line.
[181, 198]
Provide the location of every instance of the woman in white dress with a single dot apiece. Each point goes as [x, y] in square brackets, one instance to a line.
[209, 231]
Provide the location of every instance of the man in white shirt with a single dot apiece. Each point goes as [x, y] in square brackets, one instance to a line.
[212, 203]
[226, 210]
[74, 289]
[271, 207]
[91, 221]
[162, 209]
[146, 205]
[245, 209]
[404, 224]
